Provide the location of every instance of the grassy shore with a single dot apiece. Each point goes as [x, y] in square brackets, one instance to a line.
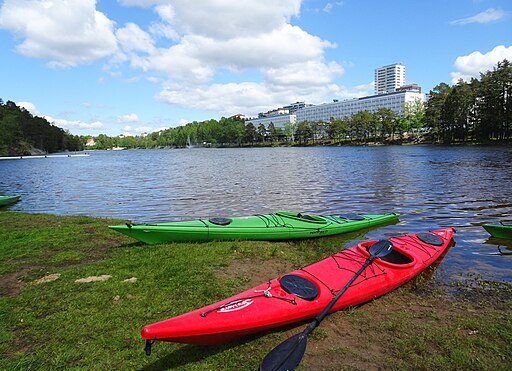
[50, 321]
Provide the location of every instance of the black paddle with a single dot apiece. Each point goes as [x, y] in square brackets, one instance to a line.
[288, 354]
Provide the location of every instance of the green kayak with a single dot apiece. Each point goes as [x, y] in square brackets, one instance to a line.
[7, 200]
[281, 225]
[499, 230]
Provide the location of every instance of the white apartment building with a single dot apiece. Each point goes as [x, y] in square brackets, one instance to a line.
[391, 92]
[344, 109]
[389, 78]
[279, 121]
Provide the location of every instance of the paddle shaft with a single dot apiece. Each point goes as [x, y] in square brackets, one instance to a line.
[329, 306]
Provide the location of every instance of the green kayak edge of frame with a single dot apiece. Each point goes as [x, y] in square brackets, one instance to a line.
[281, 225]
[499, 230]
[7, 200]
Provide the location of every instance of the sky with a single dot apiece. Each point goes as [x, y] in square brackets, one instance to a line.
[132, 66]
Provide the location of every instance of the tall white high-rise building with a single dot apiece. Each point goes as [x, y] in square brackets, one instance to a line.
[389, 78]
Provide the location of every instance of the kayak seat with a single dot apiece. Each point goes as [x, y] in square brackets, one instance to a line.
[299, 286]
[351, 217]
[305, 217]
[220, 221]
[395, 257]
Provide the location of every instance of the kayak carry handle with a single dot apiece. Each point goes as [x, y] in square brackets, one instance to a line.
[147, 348]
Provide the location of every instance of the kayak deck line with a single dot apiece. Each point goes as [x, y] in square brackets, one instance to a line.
[204, 220]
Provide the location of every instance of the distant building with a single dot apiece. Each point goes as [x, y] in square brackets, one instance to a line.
[90, 142]
[344, 109]
[389, 78]
[291, 108]
[238, 116]
[279, 121]
[391, 92]
[410, 87]
[279, 117]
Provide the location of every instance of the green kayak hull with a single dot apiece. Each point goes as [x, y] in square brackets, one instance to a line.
[7, 200]
[281, 225]
[499, 230]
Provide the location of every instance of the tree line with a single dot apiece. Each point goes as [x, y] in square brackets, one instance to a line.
[21, 132]
[233, 131]
[476, 111]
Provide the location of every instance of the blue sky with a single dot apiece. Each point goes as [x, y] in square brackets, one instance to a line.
[133, 66]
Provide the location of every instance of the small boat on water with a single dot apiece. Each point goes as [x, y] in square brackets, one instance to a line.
[305, 292]
[499, 230]
[7, 200]
[281, 225]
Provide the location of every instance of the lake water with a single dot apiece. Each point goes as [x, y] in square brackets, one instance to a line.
[430, 186]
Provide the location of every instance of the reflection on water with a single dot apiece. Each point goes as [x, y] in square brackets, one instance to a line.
[430, 186]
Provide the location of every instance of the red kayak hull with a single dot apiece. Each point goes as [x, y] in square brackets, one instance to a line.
[279, 302]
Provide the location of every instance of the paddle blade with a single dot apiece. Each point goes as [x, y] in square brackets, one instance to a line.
[287, 355]
[380, 248]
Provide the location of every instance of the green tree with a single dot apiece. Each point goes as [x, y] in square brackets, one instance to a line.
[272, 132]
[387, 122]
[360, 125]
[261, 133]
[250, 133]
[289, 131]
[414, 115]
[304, 132]
[336, 128]
[434, 117]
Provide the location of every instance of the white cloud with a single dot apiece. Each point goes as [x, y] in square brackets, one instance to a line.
[355, 92]
[133, 38]
[487, 16]
[77, 124]
[30, 107]
[65, 32]
[330, 6]
[226, 19]
[197, 58]
[248, 98]
[132, 117]
[139, 129]
[302, 75]
[472, 65]
[253, 37]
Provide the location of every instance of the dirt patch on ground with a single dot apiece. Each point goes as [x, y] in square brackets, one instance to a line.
[253, 272]
[11, 283]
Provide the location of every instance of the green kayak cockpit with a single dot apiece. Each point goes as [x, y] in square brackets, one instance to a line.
[302, 217]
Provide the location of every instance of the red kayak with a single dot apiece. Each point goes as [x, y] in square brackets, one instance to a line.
[303, 293]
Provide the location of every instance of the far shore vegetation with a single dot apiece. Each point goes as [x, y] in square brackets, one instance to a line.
[75, 294]
[478, 111]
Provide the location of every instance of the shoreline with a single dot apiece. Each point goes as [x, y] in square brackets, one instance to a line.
[497, 143]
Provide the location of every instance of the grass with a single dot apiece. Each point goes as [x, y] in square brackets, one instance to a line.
[63, 324]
